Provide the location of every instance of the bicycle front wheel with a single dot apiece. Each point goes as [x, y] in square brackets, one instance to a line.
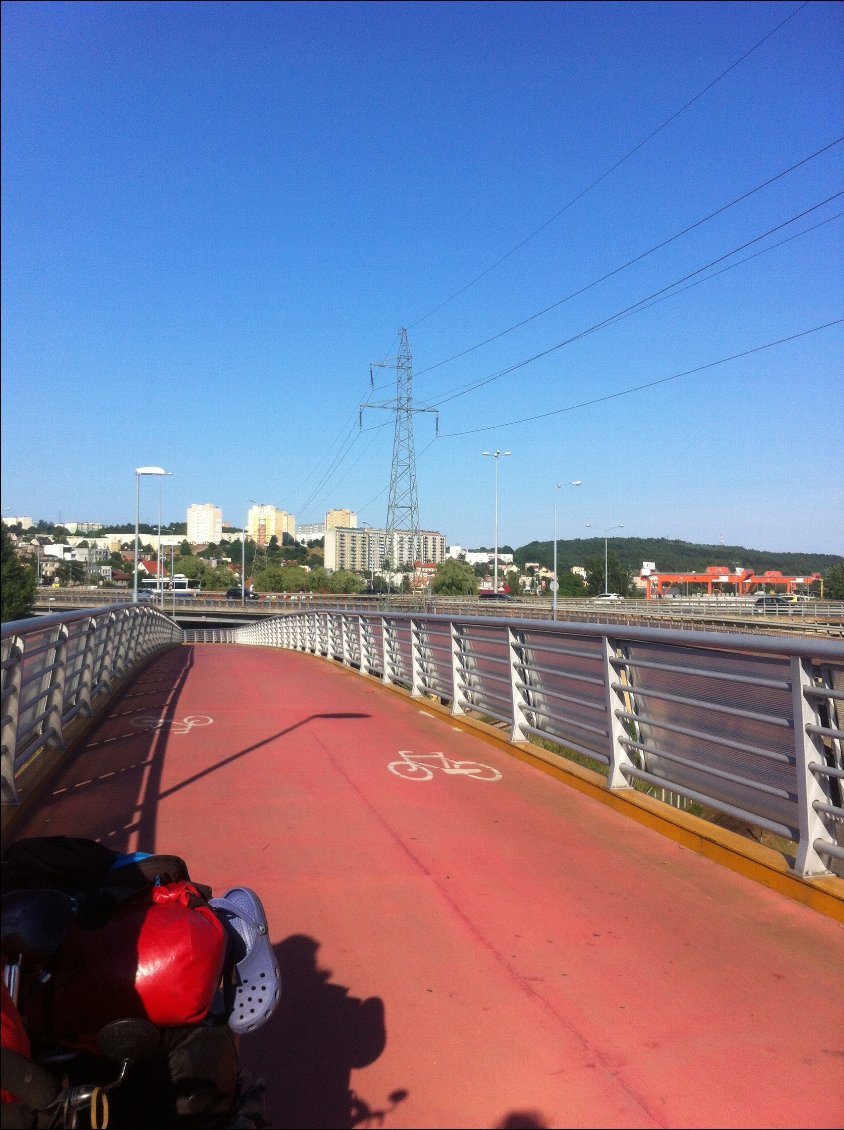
[410, 772]
[478, 770]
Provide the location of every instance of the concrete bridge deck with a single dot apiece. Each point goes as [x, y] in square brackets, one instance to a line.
[538, 959]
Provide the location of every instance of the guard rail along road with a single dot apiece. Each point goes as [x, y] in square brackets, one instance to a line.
[736, 727]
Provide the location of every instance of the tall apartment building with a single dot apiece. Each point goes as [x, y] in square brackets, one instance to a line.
[266, 522]
[366, 550]
[345, 519]
[205, 523]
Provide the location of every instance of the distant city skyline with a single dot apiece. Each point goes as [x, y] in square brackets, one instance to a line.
[482, 545]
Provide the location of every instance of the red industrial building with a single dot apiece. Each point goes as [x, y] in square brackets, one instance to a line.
[720, 580]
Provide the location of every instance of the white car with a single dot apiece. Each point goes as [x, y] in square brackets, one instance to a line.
[607, 596]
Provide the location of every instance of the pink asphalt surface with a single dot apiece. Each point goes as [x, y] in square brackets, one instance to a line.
[538, 959]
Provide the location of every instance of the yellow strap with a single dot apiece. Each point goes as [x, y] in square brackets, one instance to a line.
[99, 1102]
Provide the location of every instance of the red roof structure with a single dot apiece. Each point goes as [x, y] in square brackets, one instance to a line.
[718, 578]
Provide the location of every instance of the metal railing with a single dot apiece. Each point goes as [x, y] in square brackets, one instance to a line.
[752, 728]
[56, 669]
[748, 727]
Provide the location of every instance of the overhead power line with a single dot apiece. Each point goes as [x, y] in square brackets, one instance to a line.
[613, 167]
[637, 259]
[627, 310]
[646, 384]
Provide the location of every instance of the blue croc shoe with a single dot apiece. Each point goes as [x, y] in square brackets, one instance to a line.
[252, 993]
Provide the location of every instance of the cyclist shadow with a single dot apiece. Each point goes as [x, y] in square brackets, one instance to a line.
[319, 1035]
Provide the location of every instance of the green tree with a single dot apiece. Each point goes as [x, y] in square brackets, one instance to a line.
[70, 573]
[281, 578]
[454, 578]
[571, 585]
[18, 582]
[185, 549]
[217, 580]
[344, 582]
[513, 582]
[191, 567]
[833, 588]
[617, 577]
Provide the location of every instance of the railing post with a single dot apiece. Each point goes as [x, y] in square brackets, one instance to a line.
[106, 671]
[514, 643]
[11, 696]
[52, 725]
[389, 665]
[86, 674]
[417, 684]
[456, 669]
[616, 728]
[809, 788]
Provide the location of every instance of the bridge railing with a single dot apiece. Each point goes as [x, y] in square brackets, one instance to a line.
[59, 669]
[752, 728]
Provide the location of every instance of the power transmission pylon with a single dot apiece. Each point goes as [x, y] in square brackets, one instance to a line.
[403, 502]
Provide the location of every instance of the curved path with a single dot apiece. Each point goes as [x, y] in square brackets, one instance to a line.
[459, 951]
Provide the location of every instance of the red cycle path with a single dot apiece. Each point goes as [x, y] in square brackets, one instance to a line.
[535, 958]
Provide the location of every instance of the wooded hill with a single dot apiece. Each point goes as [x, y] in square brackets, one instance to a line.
[673, 556]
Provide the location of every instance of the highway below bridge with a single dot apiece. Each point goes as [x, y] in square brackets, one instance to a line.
[195, 612]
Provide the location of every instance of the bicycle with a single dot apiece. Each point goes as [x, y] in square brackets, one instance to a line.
[411, 767]
[176, 726]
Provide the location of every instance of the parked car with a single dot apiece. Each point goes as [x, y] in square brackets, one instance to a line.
[238, 594]
[773, 602]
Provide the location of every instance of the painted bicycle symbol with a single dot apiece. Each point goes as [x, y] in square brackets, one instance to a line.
[175, 725]
[421, 766]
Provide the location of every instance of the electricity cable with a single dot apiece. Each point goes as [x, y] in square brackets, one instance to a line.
[626, 310]
[646, 384]
[612, 168]
[636, 259]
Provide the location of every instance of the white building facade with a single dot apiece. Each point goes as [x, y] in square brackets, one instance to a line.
[205, 523]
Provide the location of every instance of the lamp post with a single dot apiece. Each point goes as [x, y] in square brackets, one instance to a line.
[589, 526]
[496, 455]
[243, 558]
[555, 584]
[158, 555]
[139, 471]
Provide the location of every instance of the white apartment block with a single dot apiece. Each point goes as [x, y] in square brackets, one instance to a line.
[365, 550]
[266, 522]
[205, 523]
[313, 531]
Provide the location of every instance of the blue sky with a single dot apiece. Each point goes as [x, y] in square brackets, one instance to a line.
[612, 231]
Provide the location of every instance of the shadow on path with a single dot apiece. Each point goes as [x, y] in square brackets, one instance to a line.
[318, 1036]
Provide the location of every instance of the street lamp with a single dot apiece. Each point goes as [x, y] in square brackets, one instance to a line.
[158, 555]
[243, 558]
[496, 455]
[555, 584]
[139, 471]
[589, 526]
